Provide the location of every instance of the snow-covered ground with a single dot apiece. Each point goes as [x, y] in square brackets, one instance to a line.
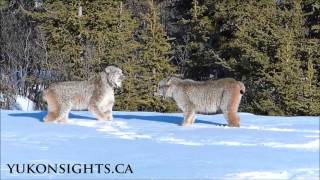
[23, 103]
[156, 147]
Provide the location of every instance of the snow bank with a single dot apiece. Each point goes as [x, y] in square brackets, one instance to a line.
[24, 104]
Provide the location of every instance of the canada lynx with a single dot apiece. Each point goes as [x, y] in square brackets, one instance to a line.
[95, 94]
[204, 97]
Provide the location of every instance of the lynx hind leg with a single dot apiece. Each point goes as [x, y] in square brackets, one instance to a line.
[65, 108]
[57, 110]
[53, 106]
[51, 116]
[229, 107]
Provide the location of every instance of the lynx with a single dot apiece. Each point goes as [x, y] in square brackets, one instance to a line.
[95, 94]
[204, 97]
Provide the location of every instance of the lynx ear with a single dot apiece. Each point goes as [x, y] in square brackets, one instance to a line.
[171, 79]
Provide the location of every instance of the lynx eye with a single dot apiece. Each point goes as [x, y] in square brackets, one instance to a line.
[164, 86]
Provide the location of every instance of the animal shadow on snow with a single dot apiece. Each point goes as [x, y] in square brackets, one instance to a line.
[163, 118]
[40, 115]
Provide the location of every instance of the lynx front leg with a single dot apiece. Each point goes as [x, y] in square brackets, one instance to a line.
[232, 118]
[189, 117]
[95, 110]
[193, 118]
[230, 108]
[108, 111]
[108, 115]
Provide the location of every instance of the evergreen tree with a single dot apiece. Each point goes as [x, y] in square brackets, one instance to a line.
[22, 53]
[311, 10]
[264, 38]
[262, 43]
[202, 61]
[273, 46]
[88, 36]
[150, 66]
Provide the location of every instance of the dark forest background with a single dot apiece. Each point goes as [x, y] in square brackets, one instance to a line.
[273, 46]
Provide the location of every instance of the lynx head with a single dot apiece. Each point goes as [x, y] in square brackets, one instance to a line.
[114, 76]
[164, 85]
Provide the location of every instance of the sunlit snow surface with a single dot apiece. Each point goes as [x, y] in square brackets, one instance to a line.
[156, 147]
[23, 103]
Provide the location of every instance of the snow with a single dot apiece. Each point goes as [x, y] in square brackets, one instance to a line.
[24, 104]
[156, 147]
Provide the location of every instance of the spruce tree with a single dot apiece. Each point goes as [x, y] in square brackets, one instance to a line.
[202, 62]
[264, 39]
[151, 64]
[86, 36]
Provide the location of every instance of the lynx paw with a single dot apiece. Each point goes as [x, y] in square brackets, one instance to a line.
[186, 124]
[105, 118]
